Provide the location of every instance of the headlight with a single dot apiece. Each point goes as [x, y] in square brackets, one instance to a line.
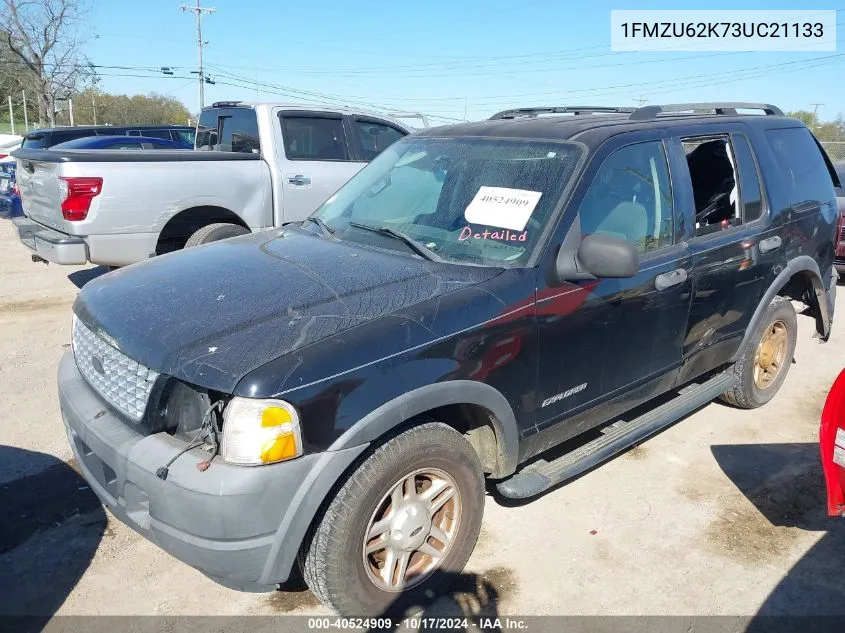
[259, 432]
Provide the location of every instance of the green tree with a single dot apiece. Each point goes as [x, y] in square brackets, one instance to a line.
[810, 119]
[93, 106]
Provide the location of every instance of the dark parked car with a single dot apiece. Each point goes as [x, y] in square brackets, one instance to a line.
[121, 142]
[10, 200]
[48, 137]
[334, 393]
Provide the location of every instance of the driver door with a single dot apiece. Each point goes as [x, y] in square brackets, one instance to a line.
[601, 338]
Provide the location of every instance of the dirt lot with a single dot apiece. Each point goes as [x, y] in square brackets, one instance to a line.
[721, 514]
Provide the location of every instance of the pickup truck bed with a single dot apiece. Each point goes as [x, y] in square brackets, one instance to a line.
[256, 166]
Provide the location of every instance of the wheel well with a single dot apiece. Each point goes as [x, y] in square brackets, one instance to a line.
[803, 286]
[474, 422]
[185, 223]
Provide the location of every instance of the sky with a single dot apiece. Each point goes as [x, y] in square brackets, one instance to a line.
[450, 60]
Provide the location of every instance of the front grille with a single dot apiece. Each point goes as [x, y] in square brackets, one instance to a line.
[124, 383]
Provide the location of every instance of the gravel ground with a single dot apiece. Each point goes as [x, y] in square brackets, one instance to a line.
[723, 513]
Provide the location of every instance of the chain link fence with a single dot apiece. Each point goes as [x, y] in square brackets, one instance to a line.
[834, 149]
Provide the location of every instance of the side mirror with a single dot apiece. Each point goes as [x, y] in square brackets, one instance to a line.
[604, 256]
[595, 256]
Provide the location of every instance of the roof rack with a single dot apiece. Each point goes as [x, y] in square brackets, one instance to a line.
[225, 104]
[533, 112]
[728, 108]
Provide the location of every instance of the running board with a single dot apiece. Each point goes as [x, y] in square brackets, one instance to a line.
[542, 475]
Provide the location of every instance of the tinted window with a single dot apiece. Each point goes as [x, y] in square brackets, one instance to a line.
[314, 138]
[63, 136]
[239, 131]
[803, 171]
[630, 198]
[749, 181]
[376, 137]
[34, 141]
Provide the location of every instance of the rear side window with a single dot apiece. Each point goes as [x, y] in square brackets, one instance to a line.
[804, 173]
[376, 137]
[314, 138]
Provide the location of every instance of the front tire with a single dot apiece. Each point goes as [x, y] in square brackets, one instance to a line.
[401, 527]
[215, 232]
[763, 365]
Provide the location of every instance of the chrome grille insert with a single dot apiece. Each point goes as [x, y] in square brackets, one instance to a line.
[124, 383]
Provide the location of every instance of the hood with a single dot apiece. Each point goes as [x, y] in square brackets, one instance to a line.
[209, 315]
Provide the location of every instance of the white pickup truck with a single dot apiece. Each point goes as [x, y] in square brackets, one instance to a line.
[255, 166]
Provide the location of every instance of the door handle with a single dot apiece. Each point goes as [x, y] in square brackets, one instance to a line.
[673, 278]
[299, 180]
[770, 244]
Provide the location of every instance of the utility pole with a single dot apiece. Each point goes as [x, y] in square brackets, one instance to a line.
[198, 11]
[11, 115]
[70, 110]
[816, 113]
[94, 106]
[25, 115]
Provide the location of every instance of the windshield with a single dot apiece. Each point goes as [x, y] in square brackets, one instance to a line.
[467, 200]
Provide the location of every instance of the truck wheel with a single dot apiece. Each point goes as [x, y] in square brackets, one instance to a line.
[401, 527]
[764, 363]
[214, 232]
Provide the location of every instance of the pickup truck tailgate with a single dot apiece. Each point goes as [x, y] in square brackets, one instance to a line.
[39, 187]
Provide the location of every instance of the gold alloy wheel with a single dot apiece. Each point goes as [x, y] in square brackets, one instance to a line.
[412, 529]
[771, 354]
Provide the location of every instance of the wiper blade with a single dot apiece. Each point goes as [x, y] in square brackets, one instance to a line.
[413, 244]
[325, 229]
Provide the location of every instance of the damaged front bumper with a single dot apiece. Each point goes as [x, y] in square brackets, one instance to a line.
[241, 526]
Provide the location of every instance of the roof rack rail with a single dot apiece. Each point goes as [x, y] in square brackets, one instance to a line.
[533, 112]
[728, 108]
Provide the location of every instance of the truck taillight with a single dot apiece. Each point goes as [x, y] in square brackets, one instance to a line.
[78, 194]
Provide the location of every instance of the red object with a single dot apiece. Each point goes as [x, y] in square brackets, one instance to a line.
[593, 532]
[80, 193]
[833, 419]
[3, 155]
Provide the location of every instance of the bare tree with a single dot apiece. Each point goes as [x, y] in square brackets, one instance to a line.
[44, 38]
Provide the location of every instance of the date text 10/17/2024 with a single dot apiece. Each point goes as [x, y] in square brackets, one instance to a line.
[485, 624]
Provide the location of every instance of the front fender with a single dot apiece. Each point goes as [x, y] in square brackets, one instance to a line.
[396, 411]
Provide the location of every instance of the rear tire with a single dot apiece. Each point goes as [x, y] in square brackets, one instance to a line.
[386, 496]
[765, 362]
[215, 232]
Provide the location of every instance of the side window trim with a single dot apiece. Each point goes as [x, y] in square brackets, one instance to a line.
[351, 151]
[765, 212]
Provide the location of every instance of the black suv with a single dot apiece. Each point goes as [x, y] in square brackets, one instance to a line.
[333, 393]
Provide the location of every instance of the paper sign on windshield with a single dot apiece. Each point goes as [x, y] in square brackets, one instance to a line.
[502, 207]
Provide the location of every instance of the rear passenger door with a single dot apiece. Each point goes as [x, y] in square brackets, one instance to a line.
[319, 158]
[733, 245]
